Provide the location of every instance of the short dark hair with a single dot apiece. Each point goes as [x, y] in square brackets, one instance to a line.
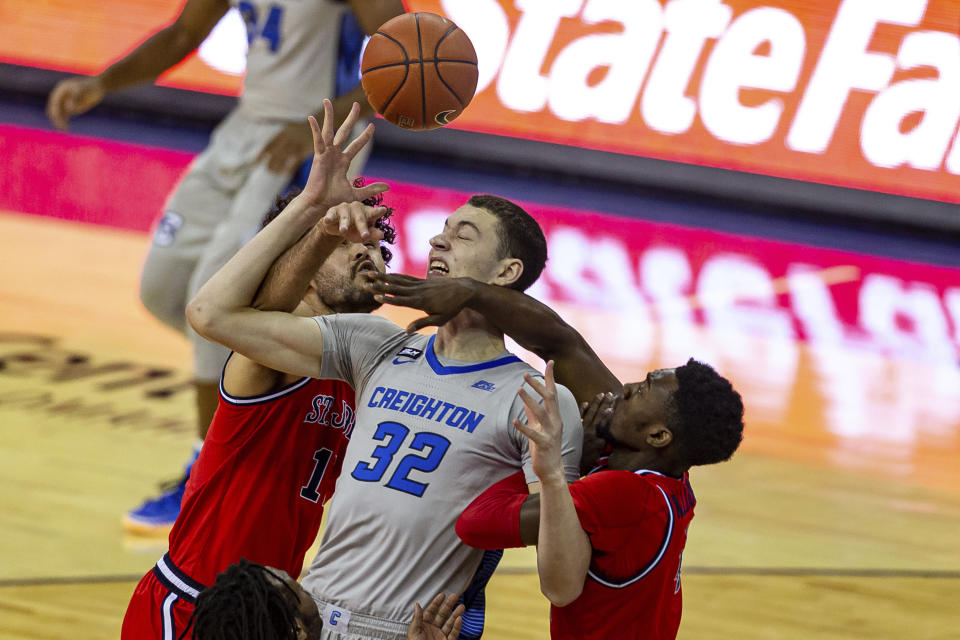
[246, 602]
[520, 237]
[707, 415]
[384, 224]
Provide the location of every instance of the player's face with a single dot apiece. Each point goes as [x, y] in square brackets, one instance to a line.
[339, 282]
[644, 403]
[468, 247]
[311, 623]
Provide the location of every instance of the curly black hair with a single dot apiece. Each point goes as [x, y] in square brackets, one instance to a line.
[245, 603]
[384, 224]
[707, 415]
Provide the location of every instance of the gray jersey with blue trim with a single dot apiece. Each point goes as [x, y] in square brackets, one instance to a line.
[431, 434]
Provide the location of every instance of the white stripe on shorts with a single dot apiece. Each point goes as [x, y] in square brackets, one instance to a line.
[167, 616]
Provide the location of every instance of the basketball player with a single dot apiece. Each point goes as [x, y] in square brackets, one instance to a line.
[276, 443]
[434, 414]
[292, 64]
[534, 325]
[609, 546]
[252, 602]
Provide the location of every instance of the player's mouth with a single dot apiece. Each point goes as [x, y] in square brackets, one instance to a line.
[365, 266]
[438, 268]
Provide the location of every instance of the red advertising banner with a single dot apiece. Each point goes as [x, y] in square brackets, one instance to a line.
[85, 36]
[854, 93]
[827, 347]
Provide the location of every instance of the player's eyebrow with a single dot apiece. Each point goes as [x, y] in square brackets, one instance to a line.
[465, 223]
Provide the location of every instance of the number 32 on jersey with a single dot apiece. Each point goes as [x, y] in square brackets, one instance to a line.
[427, 449]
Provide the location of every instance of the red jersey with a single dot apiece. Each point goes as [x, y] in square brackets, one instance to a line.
[266, 468]
[637, 523]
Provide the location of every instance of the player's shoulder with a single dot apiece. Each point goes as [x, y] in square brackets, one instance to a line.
[358, 323]
[614, 486]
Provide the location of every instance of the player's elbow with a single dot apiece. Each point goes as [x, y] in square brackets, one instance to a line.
[202, 317]
[560, 595]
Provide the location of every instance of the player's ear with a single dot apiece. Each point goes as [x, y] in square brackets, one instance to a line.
[509, 271]
[658, 435]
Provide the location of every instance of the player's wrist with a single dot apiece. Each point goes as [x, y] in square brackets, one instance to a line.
[553, 479]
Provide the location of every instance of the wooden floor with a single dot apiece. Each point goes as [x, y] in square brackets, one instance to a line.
[801, 536]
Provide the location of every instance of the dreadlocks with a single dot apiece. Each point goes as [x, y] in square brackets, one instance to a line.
[382, 223]
[245, 603]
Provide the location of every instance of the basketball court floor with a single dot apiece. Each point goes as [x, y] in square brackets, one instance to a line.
[800, 536]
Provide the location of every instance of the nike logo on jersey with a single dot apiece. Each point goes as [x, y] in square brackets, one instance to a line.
[409, 353]
[483, 385]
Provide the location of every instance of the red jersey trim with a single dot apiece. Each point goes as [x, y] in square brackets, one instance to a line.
[660, 553]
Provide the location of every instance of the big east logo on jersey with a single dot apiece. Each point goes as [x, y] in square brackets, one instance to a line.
[321, 414]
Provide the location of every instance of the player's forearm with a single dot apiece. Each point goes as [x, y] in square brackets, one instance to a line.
[373, 13]
[231, 290]
[563, 549]
[155, 55]
[538, 328]
[289, 276]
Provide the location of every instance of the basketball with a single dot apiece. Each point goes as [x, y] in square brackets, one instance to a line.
[419, 71]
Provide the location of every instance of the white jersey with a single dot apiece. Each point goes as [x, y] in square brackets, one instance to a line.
[292, 55]
[431, 434]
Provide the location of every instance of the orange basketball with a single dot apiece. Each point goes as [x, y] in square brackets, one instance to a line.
[419, 71]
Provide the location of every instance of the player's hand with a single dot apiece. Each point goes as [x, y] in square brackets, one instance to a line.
[596, 416]
[544, 428]
[288, 149]
[353, 221]
[597, 413]
[440, 298]
[328, 184]
[439, 621]
[71, 97]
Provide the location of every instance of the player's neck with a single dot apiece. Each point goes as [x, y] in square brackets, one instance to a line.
[468, 336]
[626, 460]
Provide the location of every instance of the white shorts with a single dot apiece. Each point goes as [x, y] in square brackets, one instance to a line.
[341, 624]
[214, 210]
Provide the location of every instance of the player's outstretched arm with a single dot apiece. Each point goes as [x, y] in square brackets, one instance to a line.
[439, 621]
[284, 153]
[152, 57]
[222, 310]
[371, 14]
[563, 549]
[534, 325]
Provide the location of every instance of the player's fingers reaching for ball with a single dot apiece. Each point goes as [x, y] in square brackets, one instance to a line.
[326, 131]
[317, 135]
[360, 141]
[344, 131]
